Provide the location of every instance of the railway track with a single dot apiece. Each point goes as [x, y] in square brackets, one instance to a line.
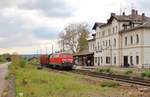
[121, 78]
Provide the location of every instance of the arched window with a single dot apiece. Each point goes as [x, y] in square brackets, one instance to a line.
[137, 38]
[114, 59]
[116, 29]
[113, 30]
[126, 40]
[109, 43]
[114, 41]
[131, 40]
[98, 45]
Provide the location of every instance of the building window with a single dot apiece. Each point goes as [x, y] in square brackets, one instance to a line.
[106, 43]
[114, 59]
[131, 40]
[131, 60]
[93, 46]
[107, 60]
[126, 40]
[95, 59]
[116, 29]
[109, 43]
[103, 33]
[98, 45]
[137, 59]
[102, 60]
[97, 34]
[98, 60]
[109, 31]
[137, 38]
[114, 42]
[103, 43]
[113, 30]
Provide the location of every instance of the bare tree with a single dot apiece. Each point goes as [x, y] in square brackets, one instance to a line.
[69, 39]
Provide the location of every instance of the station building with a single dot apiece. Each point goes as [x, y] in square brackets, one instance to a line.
[123, 41]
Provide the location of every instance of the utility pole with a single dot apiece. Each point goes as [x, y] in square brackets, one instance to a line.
[41, 51]
[46, 50]
[52, 49]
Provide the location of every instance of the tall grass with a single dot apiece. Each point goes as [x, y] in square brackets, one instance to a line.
[17, 63]
[2, 59]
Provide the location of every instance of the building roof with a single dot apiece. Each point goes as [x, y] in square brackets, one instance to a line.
[93, 39]
[145, 25]
[134, 18]
[83, 53]
[97, 24]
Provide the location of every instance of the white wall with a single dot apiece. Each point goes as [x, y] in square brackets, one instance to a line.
[146, 40]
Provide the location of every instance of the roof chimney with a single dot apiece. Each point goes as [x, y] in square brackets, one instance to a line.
[107, 20]
[133, 12]
[143, 16]
[113, 14]
[123, 13]
[136, 12]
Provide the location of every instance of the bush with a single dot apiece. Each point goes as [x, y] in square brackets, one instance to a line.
[107, 70]
[109, 84]
[128, 72]
[101, 70]
[17, 61]
[145, 74]
[23, 63]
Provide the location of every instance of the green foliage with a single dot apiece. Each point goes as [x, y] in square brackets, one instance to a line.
[83, 43]
[128, 72]
[2, 59]
[23, 62]
[105, 70]
[18, 61]
[145, 74]
[109, 84]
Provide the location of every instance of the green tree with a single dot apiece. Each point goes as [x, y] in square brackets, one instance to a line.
[83, 43]
[74, 37]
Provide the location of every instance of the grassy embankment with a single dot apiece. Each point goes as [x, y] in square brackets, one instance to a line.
[135, 72]
[31, 82]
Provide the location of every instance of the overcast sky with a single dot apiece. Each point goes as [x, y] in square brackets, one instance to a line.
[26, 26]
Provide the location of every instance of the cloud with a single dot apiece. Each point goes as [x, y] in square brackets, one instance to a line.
[51, 8]
[47, 32]
[20, 27]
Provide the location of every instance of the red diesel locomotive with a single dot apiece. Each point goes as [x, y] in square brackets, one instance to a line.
[57, 60]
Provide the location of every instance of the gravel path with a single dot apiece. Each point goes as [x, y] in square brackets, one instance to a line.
[3, 73]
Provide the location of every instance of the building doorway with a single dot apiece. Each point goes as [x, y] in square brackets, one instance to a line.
[126, 61]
